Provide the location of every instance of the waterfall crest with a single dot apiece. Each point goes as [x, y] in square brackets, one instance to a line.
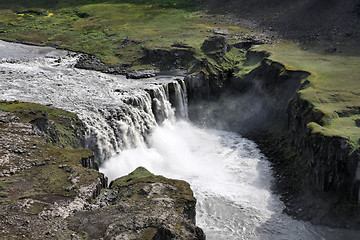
[119, 113]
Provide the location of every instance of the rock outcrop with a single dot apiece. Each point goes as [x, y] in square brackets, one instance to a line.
[141, 206]
[40, 184]
[176, 57]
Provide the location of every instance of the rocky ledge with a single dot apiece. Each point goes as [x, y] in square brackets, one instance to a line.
[141, 206]
[50, 188]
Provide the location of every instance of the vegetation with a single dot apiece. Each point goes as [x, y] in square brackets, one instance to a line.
[61, 128]
[333, 88]
[115, 31]
[118, 31]
[138, 173]
[42, 171]
[131, 186]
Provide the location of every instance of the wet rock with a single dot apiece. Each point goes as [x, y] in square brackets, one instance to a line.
[141, 74]
[90, 62]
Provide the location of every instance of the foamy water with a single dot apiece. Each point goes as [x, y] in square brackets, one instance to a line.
[230, 178]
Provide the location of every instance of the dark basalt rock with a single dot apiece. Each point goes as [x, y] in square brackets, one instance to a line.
[141, 74]
[216, 46]
[331, 50]
[357, 122]
[90, 62]
[175, 57]
[331, 163]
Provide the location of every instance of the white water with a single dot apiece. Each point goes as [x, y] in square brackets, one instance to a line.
[118, 112]
[229, 176]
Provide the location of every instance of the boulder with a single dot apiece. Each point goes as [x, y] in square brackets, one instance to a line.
[141, 206]
[215, 45]
[175, 57]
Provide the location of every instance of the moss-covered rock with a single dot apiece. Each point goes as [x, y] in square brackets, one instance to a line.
[175, 57]
[59, 128]
[142, 206]
[41, 184]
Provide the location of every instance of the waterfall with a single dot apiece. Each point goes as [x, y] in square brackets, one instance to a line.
[179, 98]
[119, 113]
[127, 125]
[132, 122]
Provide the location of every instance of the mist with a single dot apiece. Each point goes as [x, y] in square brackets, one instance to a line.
[249, 106]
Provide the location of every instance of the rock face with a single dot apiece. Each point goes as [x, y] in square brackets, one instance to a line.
[332, 163]
[59, 128]
[317, 173]
[175, 57]
[90, 62]
[215, 45]
[41, 184]
[51, 192]
[141, 206]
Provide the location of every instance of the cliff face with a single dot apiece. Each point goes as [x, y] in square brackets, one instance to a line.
[332, 163]
[40, 184]
[317, 173]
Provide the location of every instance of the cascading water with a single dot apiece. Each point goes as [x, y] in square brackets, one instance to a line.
[118, 112]
[230, 177]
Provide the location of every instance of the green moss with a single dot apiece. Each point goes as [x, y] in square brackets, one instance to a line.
[28, 111]
[100, 28]
[3, 186]
[138, 173]
[66, 129]
[5, 202]
[334, 86]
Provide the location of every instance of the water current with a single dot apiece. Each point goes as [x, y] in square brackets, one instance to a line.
[230, 177]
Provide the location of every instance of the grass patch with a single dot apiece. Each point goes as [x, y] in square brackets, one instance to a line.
[138, 173]
[63, 129]
[3, 186]
[334, 86]
[115, 31]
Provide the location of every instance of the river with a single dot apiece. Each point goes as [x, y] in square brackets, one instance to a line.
[230, 177]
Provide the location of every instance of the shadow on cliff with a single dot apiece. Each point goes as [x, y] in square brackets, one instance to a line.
[253, 103]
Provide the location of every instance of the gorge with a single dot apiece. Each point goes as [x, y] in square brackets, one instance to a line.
[144, 122]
